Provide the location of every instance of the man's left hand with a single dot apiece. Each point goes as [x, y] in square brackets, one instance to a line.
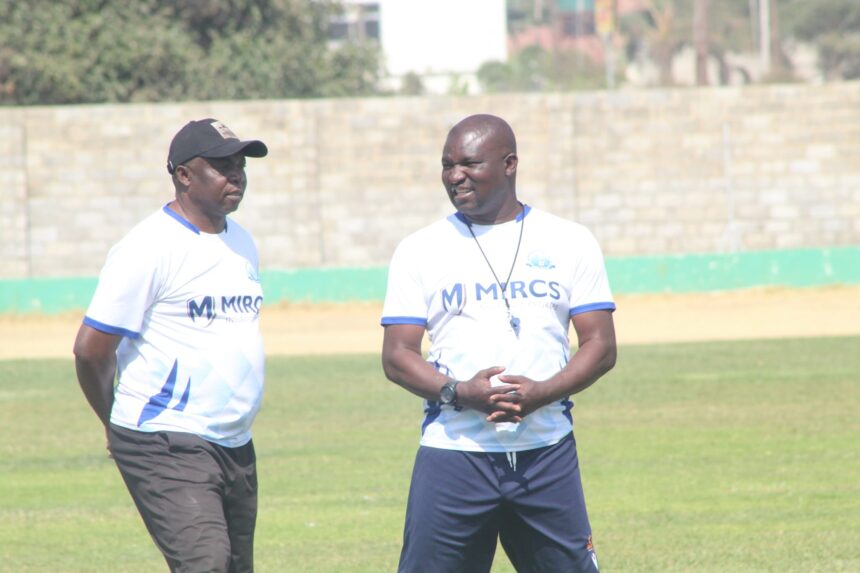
[529, 397]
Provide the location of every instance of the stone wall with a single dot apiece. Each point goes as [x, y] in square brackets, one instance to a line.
[683, 171]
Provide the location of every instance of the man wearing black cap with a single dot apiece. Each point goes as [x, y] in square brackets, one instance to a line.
[175, 320]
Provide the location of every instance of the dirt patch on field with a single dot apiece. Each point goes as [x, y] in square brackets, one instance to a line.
[640, 319]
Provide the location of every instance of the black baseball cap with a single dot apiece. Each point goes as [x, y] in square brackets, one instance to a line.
[209, 138]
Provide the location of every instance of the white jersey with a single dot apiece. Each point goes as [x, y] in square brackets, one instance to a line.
[187, 304]
[439, 279]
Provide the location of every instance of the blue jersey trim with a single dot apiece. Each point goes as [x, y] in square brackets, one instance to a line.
[567, 403]
[433, 408]
[610, 306]
[522, 214]
[179, 218]
[388, 320]
[108, 329]
[431, 412]
[159, 402]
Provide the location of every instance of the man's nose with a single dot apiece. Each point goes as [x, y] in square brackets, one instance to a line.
[236, 176]
[454, 175]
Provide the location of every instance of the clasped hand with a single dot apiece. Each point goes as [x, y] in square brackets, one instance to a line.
[517, 397]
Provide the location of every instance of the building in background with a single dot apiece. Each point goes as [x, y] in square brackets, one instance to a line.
[359, 22]
[439, 44]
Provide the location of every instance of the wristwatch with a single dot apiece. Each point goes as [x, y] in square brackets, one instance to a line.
[448, 393]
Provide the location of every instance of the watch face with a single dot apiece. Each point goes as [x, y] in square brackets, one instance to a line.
[447, 394]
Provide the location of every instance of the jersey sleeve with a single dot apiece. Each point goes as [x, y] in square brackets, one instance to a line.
[405, 302]
[127, 287]
[590, 290]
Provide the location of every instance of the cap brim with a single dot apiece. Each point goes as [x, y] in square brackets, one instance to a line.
[251, 148]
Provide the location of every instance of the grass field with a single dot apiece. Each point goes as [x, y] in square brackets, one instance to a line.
[719, 457]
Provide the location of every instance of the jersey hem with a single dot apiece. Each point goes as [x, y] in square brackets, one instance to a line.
[237, 443]
[495, 449]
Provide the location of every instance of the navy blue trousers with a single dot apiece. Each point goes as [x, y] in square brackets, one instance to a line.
[461, 503]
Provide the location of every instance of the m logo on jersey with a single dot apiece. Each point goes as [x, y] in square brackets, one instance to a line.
[454, 300]
[203, 309]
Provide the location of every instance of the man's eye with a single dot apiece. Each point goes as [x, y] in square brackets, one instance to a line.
[222, 164]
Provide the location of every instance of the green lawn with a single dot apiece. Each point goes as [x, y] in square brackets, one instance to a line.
[720, 457]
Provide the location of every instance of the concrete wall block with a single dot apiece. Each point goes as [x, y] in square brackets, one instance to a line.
[806, 167]
[667, 199]
[789, 240]
[786, 212]
[650, 172]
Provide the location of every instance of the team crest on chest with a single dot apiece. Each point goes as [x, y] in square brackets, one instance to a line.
[539, 260]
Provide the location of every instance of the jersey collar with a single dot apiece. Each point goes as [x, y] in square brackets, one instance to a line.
[185, 222]
[520, 216]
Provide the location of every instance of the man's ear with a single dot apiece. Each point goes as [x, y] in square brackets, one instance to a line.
[511, 161]
[182, 175]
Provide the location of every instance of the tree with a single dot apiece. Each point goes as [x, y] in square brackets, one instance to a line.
[533, 69]
[85, 51]
[833, 27]
[656, 31]
[68, 52]
[665, 27]
[700, 39]
[411, 84]
[528, 71]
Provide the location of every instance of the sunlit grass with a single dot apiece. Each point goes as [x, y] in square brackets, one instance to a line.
[716, 457]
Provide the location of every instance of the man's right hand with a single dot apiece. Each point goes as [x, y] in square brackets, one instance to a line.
[498, 402]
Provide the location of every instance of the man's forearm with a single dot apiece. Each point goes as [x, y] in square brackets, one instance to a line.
[591, 361]
[96, 381]
[414, 374]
